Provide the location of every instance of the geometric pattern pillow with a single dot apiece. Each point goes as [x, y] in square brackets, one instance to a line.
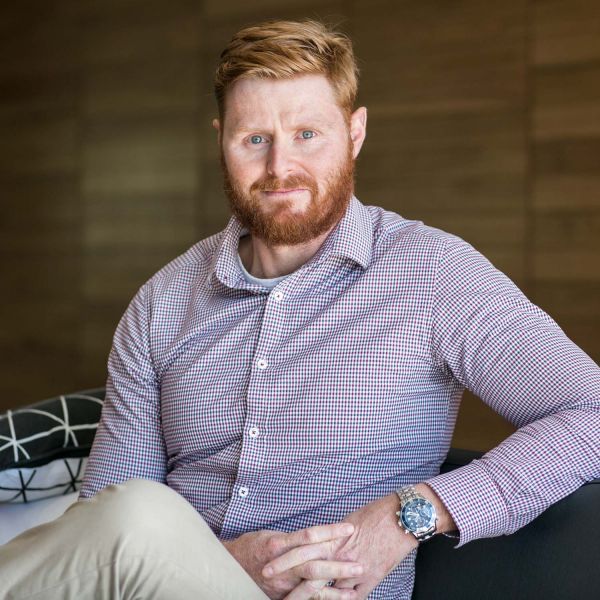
[35, 436]
[59, 477]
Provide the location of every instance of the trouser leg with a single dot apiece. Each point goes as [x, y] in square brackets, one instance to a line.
[135, 541]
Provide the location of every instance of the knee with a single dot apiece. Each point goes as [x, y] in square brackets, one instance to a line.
[137, 509]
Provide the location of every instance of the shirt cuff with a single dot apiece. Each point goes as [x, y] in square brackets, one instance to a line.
[473, 500]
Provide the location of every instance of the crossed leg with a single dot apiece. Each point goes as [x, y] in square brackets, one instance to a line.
[136, 541]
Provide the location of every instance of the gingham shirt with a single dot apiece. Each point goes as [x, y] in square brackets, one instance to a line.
[290, 407]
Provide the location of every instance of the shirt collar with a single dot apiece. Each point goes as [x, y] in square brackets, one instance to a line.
[352, 238]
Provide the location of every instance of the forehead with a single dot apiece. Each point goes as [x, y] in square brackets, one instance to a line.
[285, 100]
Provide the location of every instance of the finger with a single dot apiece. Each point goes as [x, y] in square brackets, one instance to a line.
[318, 590]
[314, 535]
[294, 558]
[329, 569]
[362, 588]
[298, 556]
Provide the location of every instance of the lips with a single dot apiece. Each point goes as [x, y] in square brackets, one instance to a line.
[283, 192]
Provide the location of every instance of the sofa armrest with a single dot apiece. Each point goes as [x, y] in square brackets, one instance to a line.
[554, 557]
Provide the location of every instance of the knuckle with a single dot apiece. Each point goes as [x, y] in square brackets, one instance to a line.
[273, 545]
[311, 570]
[332, 549]
[309, 536]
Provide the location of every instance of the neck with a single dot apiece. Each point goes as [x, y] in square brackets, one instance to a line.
[267, 262]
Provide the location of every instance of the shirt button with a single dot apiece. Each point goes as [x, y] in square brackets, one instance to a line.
[278, 296]
[243, 492]
[253, 432]
[261, 363]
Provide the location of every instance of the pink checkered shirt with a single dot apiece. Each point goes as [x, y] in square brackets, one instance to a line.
[290, 407]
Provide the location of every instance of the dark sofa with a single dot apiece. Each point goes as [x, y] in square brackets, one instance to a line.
[555, 557]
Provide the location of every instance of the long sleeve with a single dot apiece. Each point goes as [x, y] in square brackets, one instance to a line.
[516, 359]
[129, 443]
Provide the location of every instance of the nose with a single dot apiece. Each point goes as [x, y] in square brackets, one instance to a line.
[280, 161]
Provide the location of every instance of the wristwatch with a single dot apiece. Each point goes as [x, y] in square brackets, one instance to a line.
[416, 515]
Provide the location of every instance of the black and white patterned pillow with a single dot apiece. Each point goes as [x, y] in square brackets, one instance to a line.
[44, 446]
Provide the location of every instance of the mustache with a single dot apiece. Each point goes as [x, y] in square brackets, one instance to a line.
[271, 183]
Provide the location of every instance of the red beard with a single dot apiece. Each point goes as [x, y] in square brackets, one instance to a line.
[281, 225]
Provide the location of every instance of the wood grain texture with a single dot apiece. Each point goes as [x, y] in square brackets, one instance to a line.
[565, 183]
[483, 120]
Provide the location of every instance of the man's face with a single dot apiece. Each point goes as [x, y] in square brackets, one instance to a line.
[288, 152]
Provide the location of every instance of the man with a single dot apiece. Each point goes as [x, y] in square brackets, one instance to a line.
[296, 377]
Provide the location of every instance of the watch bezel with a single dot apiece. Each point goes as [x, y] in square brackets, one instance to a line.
[407, 496]
[425, 527]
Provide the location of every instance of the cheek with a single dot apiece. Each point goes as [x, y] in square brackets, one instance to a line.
[244, 172]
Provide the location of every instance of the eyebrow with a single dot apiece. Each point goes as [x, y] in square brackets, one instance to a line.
[239, 127]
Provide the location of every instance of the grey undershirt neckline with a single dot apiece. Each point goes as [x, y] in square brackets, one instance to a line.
[268, 283]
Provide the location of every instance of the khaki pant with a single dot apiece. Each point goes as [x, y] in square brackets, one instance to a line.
[139, 540]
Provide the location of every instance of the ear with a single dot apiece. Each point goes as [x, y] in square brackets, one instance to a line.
[217, 125]
[358, 129]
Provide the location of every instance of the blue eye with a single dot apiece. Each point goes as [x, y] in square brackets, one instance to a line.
[256, 139]
[306, 135]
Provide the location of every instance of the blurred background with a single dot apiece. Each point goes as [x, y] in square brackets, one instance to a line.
[484, 120]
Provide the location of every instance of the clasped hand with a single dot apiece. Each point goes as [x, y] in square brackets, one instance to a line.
[357, 553]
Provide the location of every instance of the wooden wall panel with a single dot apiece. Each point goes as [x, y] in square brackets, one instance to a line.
[483, 120]
[446, 91]
[566, 166]
[565, 31]
[40, 216]
[140, 160]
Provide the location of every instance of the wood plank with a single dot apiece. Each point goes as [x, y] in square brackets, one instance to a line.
[565, 31]
[478, 427]
[49, 275]
[567, 175]
[39, 345]
[482, 231]
[38, 42]
[114, 277]
[166, 85]
[140, 154]
[39, 144]
[143, 221]
[584, 333]
[566, 192]
[575, 156]
[234, 9]
[114, 41]
[24, 94]
[40, 216]
[464, 54]
[567, 231]
[573, 300]
[567, 265]
[567, 101]
[469, 163]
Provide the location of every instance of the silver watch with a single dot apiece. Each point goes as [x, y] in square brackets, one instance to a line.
[416, 515]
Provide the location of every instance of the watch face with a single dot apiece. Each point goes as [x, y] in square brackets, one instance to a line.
[418, 515]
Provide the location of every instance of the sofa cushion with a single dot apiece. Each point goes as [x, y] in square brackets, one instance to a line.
[42, 445]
